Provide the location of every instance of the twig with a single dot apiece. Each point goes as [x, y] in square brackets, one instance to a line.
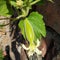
[6, 18]
[2, 25]
[25, 13]
[34, 2]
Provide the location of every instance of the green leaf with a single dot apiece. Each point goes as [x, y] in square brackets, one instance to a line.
[29, 31]
[13, 3]
[37, 23]
[21, 26]
[5, 8]
[33, 27]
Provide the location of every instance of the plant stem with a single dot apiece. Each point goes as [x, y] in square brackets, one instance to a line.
[2, 25]
[34, 2]
[6, 18]
[24, 13]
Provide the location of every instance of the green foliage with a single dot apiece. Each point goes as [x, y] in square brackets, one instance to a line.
[5, 8]
[6, 5]
[29, 31]
[13, 3]
[21, 26]
[33, 27]
[38, 24]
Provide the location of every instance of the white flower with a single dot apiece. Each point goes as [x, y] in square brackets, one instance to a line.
[33, 49]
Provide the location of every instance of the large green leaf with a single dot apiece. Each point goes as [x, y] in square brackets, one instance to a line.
[33, 27]
[5, 8]
[38, 24]
[27, 30]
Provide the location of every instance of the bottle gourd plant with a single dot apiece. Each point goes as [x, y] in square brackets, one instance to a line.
[31, 24]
